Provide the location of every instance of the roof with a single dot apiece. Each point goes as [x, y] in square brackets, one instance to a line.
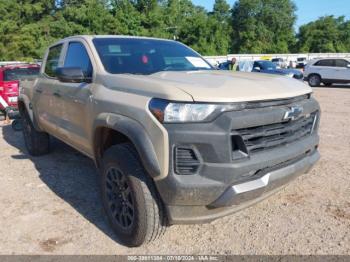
[90, 37]
[326, 58]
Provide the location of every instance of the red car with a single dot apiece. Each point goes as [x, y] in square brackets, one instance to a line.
[10, 75]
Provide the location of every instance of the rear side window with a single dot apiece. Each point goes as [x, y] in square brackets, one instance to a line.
[77, 56]
[341, 63]
[20, 73]
[326, 62]
[52, 60]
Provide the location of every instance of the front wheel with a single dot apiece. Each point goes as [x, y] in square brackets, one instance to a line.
[314, 80]
[129, 197]
[37, 143]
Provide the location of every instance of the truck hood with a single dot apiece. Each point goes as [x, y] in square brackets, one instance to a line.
[226, 86]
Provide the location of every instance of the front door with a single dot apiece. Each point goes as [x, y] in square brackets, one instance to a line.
[342, 72]
[74, 100]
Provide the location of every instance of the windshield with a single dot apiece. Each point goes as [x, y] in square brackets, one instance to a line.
[265, 65]
[20, 73]
[147, 56]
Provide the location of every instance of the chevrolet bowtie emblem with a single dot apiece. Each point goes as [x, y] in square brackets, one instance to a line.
[293, 113]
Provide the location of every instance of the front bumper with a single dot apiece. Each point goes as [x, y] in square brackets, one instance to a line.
[227, 181]
[243, 195]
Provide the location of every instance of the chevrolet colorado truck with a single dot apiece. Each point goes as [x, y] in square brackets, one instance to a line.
[174, 140]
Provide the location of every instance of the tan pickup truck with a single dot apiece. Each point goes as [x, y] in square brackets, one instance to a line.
[175, 140]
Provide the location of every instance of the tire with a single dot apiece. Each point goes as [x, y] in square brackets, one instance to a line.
[17, 125]
[37, 143]
[129, 197]
[314, 80]
[327, 84]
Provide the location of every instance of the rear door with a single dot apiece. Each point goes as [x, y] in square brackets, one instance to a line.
[74, 99]
[325, 68]
[342, 72]
[43, 97]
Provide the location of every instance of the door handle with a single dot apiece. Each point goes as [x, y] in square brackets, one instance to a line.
[56, 94]
[38, 90]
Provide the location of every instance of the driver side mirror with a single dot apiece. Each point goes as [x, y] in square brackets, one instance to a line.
[257, 68]
[72, 75]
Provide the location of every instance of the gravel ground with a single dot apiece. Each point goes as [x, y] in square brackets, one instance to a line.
[51, 205]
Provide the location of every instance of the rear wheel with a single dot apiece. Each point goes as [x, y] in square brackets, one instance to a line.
[314, 80]
[37, 143]
[130, 199]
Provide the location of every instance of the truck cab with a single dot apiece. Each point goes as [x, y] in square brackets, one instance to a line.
[175, 141]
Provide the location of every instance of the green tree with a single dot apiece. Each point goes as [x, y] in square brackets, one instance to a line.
[263, 26]
[126, 17]
[327, 34]
[221, 10]
[221, 27]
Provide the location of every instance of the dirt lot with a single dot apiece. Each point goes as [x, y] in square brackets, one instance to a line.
[51, 205]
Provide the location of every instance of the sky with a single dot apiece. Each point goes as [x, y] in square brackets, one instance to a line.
[308, 10]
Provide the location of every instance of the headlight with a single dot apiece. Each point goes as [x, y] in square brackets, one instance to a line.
[182, 112]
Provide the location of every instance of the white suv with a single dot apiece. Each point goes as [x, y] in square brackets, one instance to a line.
[327, 71]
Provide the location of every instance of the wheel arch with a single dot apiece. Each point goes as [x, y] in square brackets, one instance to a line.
[24, 108]
[112, 129]
[317, 74]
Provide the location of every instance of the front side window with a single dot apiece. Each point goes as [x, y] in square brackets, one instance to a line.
[147, 56]
[341, 63]
[52, 60]
[77, 56]
[326, 62]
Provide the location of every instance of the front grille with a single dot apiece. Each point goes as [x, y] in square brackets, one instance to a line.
[186, 161]
[280, 102]
[269, 136]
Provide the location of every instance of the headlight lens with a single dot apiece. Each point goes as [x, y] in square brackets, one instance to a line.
[174, 112]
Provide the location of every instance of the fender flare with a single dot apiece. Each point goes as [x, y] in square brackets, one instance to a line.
[24, 108]
[136, 133]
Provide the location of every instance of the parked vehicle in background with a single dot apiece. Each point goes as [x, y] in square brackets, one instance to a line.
[327, 71]
[267, 67]
[280, 62]
[301, 62]
[175, 141]
[10, 75]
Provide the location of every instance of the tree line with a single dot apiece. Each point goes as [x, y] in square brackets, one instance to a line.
[27, 27]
